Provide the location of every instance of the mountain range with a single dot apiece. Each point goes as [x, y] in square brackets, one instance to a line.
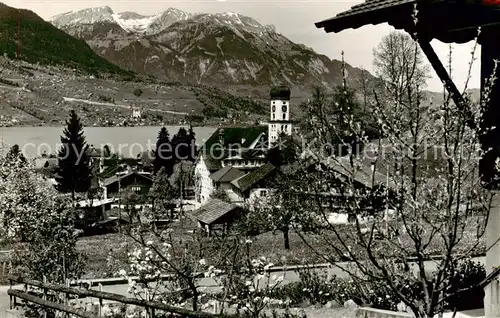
[224, 48]
[24, 33]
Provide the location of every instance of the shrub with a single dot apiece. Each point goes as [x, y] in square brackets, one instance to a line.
[195, 118]
[138, 92]
[467, 275]
[316, 288]
[107, 99]
[211, 112]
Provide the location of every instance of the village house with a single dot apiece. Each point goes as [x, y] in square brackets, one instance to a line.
[230, 153]
[252, 187]
[226, 148]
[217, 215]
[128, 182]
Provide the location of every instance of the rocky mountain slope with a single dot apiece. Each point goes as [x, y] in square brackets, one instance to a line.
[37, 41]
[225, 48]
[43, 95]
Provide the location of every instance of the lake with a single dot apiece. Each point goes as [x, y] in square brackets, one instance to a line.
[128, 141]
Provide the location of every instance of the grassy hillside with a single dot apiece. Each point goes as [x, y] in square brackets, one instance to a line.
[41, 42]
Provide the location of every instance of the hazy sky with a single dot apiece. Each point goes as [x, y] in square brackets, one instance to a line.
[292, 18]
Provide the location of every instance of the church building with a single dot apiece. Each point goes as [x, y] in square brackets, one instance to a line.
[280, 113]
[234, 153]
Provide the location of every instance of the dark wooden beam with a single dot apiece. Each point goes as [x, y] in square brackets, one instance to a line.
[49, 304]
[84, 293]
[490, 121]
[443, 75]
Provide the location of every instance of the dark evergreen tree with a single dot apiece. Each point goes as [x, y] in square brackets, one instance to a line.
[73, 173]
[163, 155]
[180, 144]
[184, 145]
[192, 144]
[15, 156]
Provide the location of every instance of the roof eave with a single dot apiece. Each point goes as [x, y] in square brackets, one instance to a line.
[344, 20]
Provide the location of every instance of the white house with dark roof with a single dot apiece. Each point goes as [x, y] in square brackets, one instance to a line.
[253, 186]
[237, 147]
[233, 152]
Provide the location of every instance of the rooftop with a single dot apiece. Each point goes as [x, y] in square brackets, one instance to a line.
[214, 210]
[95, 203]
[458, 20]
[226, 174]
[249, 180]
[108, 181]
[237, 139]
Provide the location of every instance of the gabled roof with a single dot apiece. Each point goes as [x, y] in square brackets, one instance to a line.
[235, 141]
[108, 181]
[226, 174]
[233, 137]
[214, 210]
[362, 174]
[146, 157]
[249, 180]
[46, 163]
[95, 203]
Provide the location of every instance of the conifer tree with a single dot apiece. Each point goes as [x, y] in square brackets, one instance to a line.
[74, 174]
[184, 145]
[192, 144]
[180, 145]
[15, 157]
[163, 155]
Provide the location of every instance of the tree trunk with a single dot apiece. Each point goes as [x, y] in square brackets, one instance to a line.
[286, 238]
[195, 299]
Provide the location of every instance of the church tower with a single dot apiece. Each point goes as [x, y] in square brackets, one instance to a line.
[280, 121]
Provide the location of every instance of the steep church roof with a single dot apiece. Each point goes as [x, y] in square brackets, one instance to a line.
[225, 142]
[241, 136]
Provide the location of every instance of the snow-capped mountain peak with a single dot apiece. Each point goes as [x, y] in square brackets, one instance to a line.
[129, 21]
[165, 19]
[225, 48]
[85, 16]
[133, 23]
[235, 21]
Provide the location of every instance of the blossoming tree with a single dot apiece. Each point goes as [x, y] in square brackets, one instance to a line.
[415, 193]
[40, 227]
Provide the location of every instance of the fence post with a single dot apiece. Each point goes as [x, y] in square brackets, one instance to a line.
[100, 301]
[45, 295]
[216, 306]
[10, 296]
[66, 282]
[146, 297]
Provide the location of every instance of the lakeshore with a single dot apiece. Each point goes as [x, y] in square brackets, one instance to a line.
[128, 141]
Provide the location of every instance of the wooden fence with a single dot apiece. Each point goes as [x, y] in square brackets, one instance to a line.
[4, 266]
[149, 306]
